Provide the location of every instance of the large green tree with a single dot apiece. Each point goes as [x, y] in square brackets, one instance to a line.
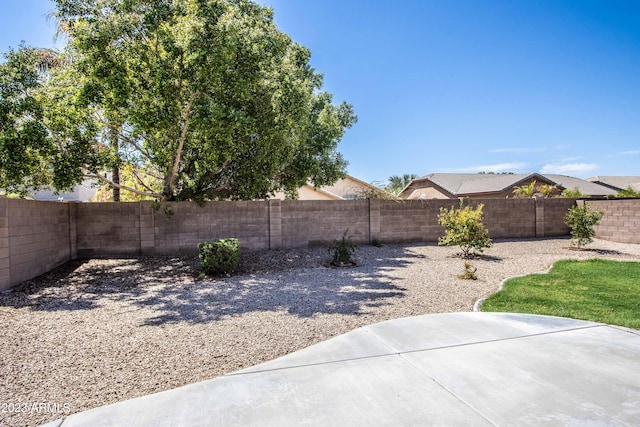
[207, 97]
[25, 145]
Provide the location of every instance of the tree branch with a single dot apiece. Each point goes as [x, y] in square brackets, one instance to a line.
[133, 171]
[137, 146]
[123, 187]
[183, 137]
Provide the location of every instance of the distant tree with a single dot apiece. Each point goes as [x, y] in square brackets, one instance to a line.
[525, 190]
[628, 193]
[495, 173]
[397, 183]
[534, 188]
[574, 194]
[547, 190]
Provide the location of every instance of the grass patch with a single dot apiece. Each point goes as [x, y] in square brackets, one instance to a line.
[597, 290]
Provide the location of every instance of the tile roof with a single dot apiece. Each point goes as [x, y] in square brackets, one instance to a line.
[585, 187]
[469, 183]
[621, 182]
[461, 184]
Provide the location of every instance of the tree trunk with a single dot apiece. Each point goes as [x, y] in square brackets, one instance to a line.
[116, 180]
[115, 146]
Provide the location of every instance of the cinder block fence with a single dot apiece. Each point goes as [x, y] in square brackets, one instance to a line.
[621, 220]
[38, 236]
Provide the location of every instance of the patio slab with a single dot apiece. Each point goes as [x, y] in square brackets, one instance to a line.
[444, 369]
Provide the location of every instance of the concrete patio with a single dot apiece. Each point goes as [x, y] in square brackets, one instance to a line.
[443, 369]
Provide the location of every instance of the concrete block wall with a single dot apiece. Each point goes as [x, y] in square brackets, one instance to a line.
[555, 210]
[509, 218]
[621, 220]
[191, 224]
[5, 251]
[37, 236]
[320, 222]
[411, 220]
[107, 229]
[34, 238]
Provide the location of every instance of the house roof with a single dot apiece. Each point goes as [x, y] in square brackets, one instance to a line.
[618, 182]
[344, 189]
[361, 188]
[590, 188]
[461, 184]
[464, 184]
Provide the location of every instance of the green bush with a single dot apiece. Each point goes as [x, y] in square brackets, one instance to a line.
[574, 194]
[377, 243]
[219, 257]
[343, 249]
[628, 193]
[464, 227]
[581, 220]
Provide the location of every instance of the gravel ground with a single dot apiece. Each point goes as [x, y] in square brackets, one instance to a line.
[94, 332]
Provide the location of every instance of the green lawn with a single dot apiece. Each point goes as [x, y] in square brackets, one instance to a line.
[596, 290]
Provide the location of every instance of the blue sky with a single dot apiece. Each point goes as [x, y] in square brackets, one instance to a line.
[461, 85]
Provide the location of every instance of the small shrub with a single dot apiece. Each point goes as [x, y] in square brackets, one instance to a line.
[581, 220]
[469, 272]
[464, 227]
[219, 257]
[343, 249]
[377, 243]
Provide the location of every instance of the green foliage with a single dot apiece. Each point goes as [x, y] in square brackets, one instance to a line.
[464, 227]
[581, 220]
[628, 193]
[547, 190]
[469, 272]
[525, 190]
[534, 188]
[25, 145]
[207, 97]
[397, 183]
[219, 257]
[596, 290]
[131, 177]
[343, 249]
[574, 194]
[377, 243]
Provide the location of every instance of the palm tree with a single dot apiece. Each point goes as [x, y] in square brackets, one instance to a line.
[398, 183]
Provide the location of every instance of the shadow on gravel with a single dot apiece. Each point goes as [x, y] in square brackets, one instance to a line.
[87, 284]
[478, 257]
[597, 251]
[169, 287]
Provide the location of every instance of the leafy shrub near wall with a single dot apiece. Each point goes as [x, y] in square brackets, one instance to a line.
[581, 220]
[219, 257]
[343, 249]
[464, 227]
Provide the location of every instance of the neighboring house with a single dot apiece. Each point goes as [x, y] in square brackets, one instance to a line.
[617, 183]
[455, 185]
[591, 189]
[347, 188]
[82, 192]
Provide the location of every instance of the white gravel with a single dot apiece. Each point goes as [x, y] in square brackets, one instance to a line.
[95, 332]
